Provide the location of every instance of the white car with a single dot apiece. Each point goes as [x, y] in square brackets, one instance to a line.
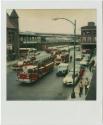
[86, 57]
[62, 69]
[68, 79]
[58, 61]
[84, 62]
[77, 69]
[78, 57]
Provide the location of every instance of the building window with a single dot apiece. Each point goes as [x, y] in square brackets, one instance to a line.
[83, 39]
[83, 33]
[21, 38]
[10, 37]
[32, 38]
[89, 39]
[25, 38]
[94, 39]
[88, 33]
[28, 38]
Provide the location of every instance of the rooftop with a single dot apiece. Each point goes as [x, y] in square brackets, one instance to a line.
[9, 24]
[91, 25]
[14, 14]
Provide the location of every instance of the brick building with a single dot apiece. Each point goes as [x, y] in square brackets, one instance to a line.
[88, 36]
[12, 29]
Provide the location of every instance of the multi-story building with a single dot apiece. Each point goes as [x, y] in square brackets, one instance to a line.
[39, 40]
[88, 36]
[12, 28]
[16, 39]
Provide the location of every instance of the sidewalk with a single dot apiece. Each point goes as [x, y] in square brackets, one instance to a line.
[91, 95]
[88, 75]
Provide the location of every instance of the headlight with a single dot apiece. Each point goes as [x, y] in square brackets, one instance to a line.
[65, 81]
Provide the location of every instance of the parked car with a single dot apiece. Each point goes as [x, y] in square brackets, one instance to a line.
[87, 57]
[68, 79]
[77, 69]
[84, 62]
[58, 61]
[78, 57]
[62, 69]
[86, 51]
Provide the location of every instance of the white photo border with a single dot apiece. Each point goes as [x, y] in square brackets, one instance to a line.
[52, 112]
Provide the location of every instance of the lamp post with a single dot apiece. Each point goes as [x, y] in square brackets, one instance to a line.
[74, 25]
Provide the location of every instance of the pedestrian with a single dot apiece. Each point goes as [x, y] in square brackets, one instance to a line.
[70, 58]
[91, 65]
[94, 67]
[81, 88]
[86, 84]
[76, 90]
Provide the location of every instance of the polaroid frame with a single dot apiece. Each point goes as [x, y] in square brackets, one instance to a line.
[52, 112]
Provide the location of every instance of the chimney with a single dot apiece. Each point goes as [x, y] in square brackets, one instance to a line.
[91, 24]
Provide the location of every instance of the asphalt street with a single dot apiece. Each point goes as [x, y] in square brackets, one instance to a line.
[49, 87]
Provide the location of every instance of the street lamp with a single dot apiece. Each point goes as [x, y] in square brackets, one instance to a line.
[74, 25]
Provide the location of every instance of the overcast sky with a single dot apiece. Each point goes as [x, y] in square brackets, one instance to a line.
[41, 20]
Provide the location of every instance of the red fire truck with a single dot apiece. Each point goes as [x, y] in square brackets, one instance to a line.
[32, 73]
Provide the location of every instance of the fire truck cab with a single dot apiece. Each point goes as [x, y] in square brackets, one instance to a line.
[28, 75]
